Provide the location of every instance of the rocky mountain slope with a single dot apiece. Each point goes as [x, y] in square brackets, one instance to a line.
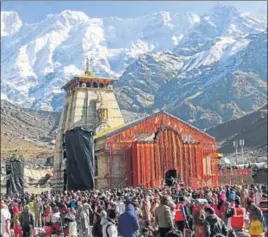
[252, 128]
[27, 132]
[205, 69]
[30, 132]
[197, 88]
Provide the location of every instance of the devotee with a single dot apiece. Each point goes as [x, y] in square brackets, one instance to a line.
[88, 210]
[180, 214]
[109, 228]
[238, 216]
[199, 218]
[255, 212]
[213, 224]
[128, 223]
[264, 208]
[27, 222]
[5, 220]
[163, 217]
[255, 228]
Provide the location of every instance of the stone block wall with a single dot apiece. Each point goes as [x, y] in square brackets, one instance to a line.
[80, 110]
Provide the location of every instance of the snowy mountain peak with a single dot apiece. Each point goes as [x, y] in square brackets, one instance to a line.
[194, 18]
[41, 57]
[163, 16]
[10, 23]
[259, 14]
[224, 10]
[72, 17]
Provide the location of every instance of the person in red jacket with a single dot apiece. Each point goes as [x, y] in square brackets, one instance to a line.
[238, 216]
[16, 214]
[264, 208]
[180, 214]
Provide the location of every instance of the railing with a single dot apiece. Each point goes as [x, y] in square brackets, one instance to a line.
[235, 172]
[235, 176]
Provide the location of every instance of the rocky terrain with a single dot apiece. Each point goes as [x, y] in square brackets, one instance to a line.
[200, 92]
[252, 128]
[31, 133]
[27, 132]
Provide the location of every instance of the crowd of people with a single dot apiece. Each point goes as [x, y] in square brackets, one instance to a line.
[146, 212]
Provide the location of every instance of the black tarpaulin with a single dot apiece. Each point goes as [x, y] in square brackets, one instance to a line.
[80, 159]
[15, 176]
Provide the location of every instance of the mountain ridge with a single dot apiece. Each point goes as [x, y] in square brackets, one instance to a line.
[181, 57]
[231, 84]
[30, 133]
[252, 128]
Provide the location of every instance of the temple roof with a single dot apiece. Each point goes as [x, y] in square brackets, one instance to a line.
[111, 131]
[108, 131]
[95, 77]
[88, 77]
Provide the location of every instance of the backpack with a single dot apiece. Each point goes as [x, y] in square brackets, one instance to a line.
[232, 196]
[97, 230]
[107, 234]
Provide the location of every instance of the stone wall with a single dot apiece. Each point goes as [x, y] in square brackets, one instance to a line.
[101, 181]
[80, 110]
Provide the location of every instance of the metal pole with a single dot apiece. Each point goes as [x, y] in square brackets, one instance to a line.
[236, 154]
[243, 154]
[235, 145]
[242, 143]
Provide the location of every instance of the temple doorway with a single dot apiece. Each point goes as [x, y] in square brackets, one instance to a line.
[170, 177]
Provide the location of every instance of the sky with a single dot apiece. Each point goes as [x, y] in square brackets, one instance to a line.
[32, 11]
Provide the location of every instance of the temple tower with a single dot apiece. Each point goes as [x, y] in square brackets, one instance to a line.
[90, 103]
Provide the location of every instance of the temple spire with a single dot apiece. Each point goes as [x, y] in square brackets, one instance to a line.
[87, 71]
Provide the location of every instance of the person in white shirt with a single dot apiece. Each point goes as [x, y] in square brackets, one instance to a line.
[109, 228]
[5, 221]
[258, 196]
[121, 206]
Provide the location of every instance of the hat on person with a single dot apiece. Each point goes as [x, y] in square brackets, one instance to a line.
[164, 199]
[182, 199]
[210, 210]
[103, 213]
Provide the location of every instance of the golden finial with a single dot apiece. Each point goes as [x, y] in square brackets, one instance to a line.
[87, 71]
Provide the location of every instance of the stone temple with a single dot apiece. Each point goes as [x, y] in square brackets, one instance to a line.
[139, 153]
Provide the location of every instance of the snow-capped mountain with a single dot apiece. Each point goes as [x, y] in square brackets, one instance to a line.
[10, 23]
[220, 74]
[220, 21]
[205, 89]
[37, 59]
[162, 59]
